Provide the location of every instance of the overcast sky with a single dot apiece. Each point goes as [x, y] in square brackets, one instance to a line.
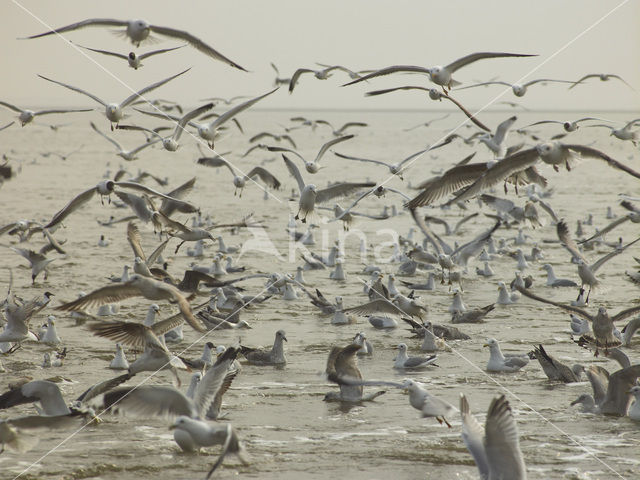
[570, 37]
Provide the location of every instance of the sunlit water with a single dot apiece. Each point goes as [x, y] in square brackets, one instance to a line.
[279, 413]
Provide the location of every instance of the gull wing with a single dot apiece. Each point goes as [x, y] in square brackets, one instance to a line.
[134, 238]
[188, 117]
[507, 84]
[474, 57]
[295, 173]
[195, 42]
[593, 153]
[358, 159]
[451, 181]
[498, 172]
[104, 52]
[71, 207]
[109, 139]
[239, 108]
[472, 436]
[265, 176]
[147, 400]
[569, 308]
[340, 190]
[375, 307]
[102, 296]
[212, 381]
[562, 230]
[501, 443]
[76, 89]
[153, 86]
[12, 107]
[157, 52]
[389, 70]
[296, 76]
[330, 144]
[503, 128]
[91, 22]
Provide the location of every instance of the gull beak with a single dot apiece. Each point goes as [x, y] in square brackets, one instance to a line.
[485, 345]
[173, 426]
[285, 338]
[575, 401]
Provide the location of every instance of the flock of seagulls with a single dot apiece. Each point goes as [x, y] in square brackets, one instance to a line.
[432, 262]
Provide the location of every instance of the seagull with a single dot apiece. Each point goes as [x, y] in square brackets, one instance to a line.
[26, 116]
[633, 216]
[604, 77]
[149, 338]
[394, 168]
[127, 155]
[314, 166]
[501, 363]
[139, 30]
[114, 111]
[439, 75]
[496, 450]
[208, 131]
[494, 142]
[239, 181]
[602, 324]
[624, 132]
[309, 194]
[170, 143]
[277, 138]
[132, 59]
[556, 370]
[568, 125]
[585, 271]
[404, 361]
[434, 94]
[319, 74]
[519, 89]
[106, 188]
[275, 356]
[38, 261]
[429, 406]
[610, 392]
[137, 285]
[553, 281]
[342, 368]
[427, 124]
[553, 153]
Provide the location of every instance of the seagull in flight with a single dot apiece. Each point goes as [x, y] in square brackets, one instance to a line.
[114, 111]
[139, 30]
[128, 155]
[132, 59]
[440, 75]
[519, 89]
[170, 142]
[26, 116]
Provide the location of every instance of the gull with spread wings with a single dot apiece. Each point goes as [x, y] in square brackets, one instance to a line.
[139, 30]
[309, 194]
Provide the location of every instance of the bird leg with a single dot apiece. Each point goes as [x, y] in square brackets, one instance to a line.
[178, 247]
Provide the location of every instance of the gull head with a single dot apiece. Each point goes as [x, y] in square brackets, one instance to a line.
[181, 422]
[281, 334]
[491, 343]
[402, 347]
[434, 94]
[635, 391]
[106, 187]
[585, 398]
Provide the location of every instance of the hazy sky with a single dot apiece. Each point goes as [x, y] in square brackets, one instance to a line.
[359, 34]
